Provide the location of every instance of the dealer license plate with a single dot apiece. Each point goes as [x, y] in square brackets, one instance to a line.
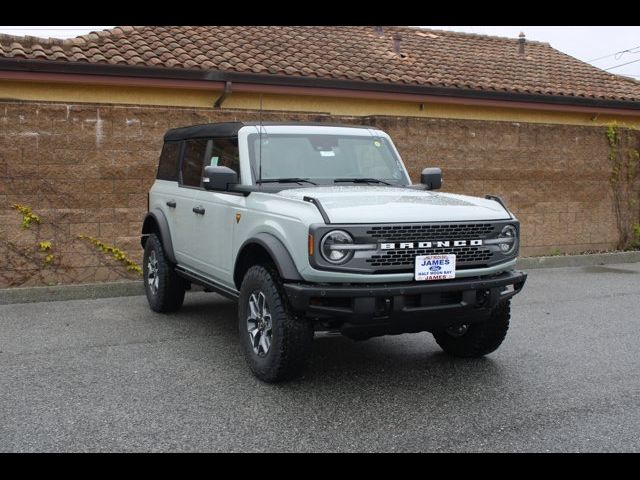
[435, 267]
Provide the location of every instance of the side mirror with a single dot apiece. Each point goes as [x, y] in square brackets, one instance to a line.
[431, 178]
[218, 178]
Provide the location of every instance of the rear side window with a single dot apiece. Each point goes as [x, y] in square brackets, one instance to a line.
[194, 152]
[225, 153]
[168, 166]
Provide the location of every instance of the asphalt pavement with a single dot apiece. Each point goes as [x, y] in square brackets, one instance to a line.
[111, 375]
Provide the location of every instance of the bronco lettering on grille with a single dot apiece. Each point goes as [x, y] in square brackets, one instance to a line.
[436, 244]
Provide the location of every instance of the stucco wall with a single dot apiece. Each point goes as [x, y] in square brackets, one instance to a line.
[86, 169]
[204, 98]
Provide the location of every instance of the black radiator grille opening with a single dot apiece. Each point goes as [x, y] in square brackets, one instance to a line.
[408, 233]
[407, 257]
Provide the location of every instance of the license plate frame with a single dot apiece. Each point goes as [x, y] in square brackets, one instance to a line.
[435, 267]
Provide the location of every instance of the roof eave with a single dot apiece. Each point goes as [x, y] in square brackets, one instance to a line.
[217, 76]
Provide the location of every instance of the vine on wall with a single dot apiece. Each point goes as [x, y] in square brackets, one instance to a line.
[115, 252]
[28, 217]
[29, 259]
[35, 259]
[624, 157]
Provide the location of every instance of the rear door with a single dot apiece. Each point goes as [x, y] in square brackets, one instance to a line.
[187, 216]
[163, 193]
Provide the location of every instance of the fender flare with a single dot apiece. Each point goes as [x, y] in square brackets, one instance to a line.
[157, 217]
[278, 252]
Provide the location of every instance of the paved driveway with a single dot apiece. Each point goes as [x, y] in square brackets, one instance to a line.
[111, 375]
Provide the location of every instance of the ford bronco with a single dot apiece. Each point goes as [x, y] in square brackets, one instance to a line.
[318, 227]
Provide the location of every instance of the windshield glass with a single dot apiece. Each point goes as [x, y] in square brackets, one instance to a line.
[325, 158]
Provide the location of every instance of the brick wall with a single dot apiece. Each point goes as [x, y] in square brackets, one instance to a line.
[86, 169]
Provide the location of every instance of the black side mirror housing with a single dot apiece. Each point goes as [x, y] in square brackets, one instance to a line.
[219, 178]
[431, 178]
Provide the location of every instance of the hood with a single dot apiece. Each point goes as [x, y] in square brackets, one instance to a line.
[376, 204]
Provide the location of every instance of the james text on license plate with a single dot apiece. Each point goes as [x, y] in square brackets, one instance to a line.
[435, 267]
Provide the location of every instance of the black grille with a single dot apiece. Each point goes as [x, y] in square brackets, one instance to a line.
[469, 256]
[408, 233]
[406, 258]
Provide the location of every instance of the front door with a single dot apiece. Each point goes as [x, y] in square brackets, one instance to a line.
[214, 230]
[214, 226]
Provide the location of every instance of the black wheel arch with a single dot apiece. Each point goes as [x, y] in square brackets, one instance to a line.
[156, 222]
[252, 251]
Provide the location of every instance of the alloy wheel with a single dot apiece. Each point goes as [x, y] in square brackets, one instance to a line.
[259, 323]
[152, 272]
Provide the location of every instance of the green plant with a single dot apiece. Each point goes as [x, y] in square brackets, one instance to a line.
[28, 217]
[556, 252]
[636, 236]
[46, 247]
[27, 261]
[114, 252]
[625, 162]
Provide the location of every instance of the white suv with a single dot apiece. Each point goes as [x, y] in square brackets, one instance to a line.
[316, 227]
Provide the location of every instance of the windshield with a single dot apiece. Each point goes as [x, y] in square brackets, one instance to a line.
[325, 159]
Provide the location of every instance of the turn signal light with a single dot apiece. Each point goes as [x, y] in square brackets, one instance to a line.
[310, 245]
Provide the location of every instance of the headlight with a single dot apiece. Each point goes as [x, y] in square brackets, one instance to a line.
[510, 234]
[330, 246]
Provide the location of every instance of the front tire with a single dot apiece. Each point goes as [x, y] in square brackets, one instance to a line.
[477, 339]
[276, 343]
[164, 288]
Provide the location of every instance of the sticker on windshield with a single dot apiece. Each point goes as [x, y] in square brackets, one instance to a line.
[327, 153]
[377, 143]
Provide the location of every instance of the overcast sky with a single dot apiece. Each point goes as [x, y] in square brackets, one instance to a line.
[586, 43]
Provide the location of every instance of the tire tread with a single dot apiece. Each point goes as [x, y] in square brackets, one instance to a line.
[171, 287]
[295, 335]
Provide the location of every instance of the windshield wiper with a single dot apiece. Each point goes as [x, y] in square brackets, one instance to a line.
[361, 180]
[287, 180]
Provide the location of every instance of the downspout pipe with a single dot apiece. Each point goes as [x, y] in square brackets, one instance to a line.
[225, 93]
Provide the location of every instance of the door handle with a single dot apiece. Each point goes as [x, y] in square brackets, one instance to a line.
[171, 204]
[199, 210]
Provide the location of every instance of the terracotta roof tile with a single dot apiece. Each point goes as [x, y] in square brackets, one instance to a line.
[427, 57]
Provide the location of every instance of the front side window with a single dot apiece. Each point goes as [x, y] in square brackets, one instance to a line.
[324, 159]
[224, 153]
[192, 160]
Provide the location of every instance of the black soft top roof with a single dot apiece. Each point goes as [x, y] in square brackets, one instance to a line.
[225, 129]
[230, 129]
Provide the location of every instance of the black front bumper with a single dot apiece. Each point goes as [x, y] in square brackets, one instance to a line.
[405, 307]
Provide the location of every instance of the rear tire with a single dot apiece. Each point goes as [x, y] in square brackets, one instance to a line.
[164, 288]
[479, 339]
[276, 343]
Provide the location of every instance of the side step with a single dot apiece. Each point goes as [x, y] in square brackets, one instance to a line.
[208, 284]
